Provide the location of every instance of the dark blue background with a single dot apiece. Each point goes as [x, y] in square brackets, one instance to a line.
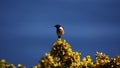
[27, 32]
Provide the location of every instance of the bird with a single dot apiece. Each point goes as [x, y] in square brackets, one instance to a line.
[59, 30]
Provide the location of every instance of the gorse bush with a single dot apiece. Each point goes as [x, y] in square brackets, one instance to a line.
[62, 56]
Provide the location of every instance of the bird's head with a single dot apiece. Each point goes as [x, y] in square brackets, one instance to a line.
[57, 26]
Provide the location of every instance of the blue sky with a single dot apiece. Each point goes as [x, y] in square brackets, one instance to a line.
[27, 27]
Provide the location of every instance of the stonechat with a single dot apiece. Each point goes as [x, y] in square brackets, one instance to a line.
[59, 30]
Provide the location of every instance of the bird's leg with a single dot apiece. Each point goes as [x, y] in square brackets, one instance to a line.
[59, 36]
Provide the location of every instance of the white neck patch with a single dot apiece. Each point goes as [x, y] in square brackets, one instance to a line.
[61, 28]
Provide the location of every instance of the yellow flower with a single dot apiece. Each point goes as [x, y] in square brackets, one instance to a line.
[59, 42]
[42, 60]
[38, 66]
[84, 59]
[89, 60]
[118, 63]
[19, 65]
[34, 67]
[3, 61]
[112, 66]
[88, 57]
[78, 64]
[102, 62]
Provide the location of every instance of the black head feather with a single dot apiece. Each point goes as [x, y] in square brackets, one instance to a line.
[57, 25]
